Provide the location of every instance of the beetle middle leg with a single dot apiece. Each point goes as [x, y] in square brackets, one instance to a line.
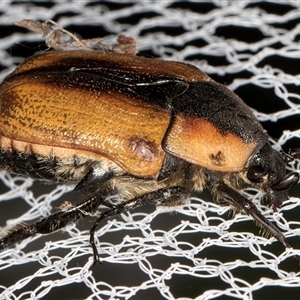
[236, 199]
[167, 196]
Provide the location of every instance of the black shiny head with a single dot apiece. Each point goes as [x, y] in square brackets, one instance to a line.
[267, 171]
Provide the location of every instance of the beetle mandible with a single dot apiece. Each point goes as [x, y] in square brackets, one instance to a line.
[131, 130]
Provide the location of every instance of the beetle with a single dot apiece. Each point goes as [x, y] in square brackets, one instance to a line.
[132, 130]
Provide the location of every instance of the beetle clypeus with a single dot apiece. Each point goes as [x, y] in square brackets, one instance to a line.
[132, 129]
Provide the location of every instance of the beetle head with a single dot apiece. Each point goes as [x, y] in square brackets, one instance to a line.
[267, 171]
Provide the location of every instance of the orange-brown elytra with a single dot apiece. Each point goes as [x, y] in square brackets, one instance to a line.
[138, 129]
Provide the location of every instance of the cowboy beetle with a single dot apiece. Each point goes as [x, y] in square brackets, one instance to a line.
[131, 130]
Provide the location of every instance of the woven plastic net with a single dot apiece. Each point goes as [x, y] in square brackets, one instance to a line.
[201, 251]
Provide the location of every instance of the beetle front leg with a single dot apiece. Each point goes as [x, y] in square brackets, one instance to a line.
[53, 222]
[163, 197]
[236, 199]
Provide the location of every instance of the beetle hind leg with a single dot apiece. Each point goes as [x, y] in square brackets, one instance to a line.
[53, 222]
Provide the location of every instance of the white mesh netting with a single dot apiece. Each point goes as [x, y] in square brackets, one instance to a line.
[200, 252]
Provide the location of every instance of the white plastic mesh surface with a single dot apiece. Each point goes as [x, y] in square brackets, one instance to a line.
[200, 252]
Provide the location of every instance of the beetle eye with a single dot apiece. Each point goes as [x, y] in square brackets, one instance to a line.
[256, 174]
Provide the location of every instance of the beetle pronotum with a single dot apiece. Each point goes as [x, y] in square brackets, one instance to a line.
[132, 129]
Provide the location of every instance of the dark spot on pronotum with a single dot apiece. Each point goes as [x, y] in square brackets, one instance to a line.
[217, 159]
